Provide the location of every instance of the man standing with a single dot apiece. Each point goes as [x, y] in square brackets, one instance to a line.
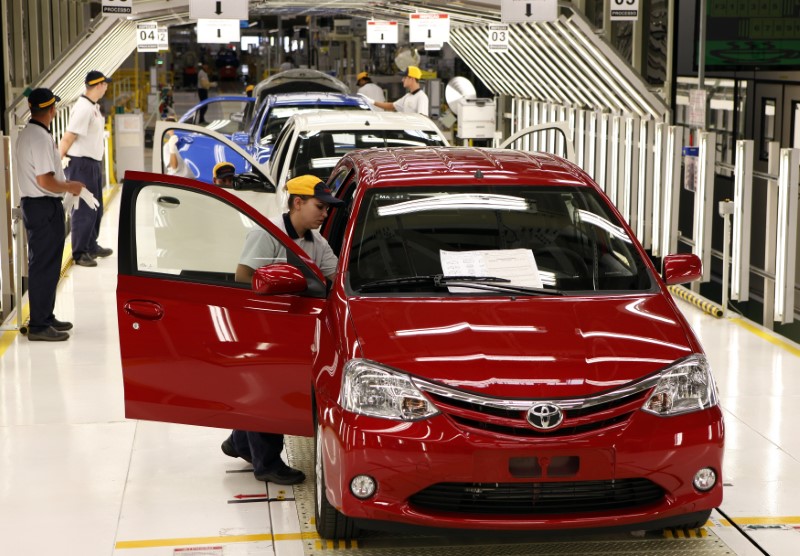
[42, 186]
[415, 100]
[309, 202]
[369, 89]
[83, 145]
[203, 85]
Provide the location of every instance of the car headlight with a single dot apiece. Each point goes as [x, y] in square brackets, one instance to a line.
[685, 387]
[374, 390]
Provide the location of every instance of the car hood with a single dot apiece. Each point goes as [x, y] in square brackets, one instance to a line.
[529, 347]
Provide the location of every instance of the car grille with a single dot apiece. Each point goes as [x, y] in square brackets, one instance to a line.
[538, 498]
[509, 417]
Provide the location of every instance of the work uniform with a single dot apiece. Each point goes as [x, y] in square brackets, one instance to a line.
[261, 248]
[86, 156]
[413, 102]
[36, 154]
[373, 91]
[203, 84]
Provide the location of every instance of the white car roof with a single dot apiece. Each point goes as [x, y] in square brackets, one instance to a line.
[338, 119]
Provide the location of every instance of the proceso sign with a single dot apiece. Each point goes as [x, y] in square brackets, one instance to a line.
[624, 10]
[117, 7]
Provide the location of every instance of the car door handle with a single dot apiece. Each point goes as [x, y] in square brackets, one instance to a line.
[168, 202]
[148, 310]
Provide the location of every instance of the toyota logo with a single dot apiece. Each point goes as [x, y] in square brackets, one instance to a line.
[545, 416]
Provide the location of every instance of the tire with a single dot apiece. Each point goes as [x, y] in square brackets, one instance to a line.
[331, 524]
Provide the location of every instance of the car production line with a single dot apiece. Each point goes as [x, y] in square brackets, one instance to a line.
[78, 478]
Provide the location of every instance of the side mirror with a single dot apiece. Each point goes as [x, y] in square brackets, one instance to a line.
[278, 278]
[250, 181]
[679, 269]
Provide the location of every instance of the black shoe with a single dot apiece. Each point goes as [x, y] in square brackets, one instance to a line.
[284, 475]
[102, 252]
[229, 450]
[85, 260]
[61, 325]
[48, 334]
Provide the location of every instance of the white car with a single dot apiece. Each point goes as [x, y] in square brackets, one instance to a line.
[313, 142]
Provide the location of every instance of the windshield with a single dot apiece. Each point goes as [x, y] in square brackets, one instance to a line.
[558, 239]
[318, 152]
[279, 114]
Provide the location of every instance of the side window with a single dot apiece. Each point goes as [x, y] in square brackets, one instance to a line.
[193, 236]
[279, 154]
[338, 224]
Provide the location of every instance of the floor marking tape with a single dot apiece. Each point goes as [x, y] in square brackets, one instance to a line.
[155, 543]
[769, 336]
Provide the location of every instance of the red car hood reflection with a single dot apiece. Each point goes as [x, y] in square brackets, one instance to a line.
[531, 347]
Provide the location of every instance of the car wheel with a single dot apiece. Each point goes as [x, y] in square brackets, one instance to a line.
[331, 524]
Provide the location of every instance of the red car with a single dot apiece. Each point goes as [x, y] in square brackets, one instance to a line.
[496, 351]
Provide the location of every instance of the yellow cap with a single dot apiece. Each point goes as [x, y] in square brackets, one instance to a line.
[313, 187]
[362, 75]
[249, 88]
[413, 71]
[224, 169]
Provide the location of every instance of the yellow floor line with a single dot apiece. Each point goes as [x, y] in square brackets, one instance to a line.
[782, 520]
[156, 543]
[9, 336]
[771, 337]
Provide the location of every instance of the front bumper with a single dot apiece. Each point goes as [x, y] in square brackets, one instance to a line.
[406, 458]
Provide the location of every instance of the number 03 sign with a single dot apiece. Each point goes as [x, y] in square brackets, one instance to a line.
[624, 10]
[498, 38]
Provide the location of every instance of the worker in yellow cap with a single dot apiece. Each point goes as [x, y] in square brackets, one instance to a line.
[309, 202]
[415, 100]
[223, 174]
[249, 90]
[369, 89]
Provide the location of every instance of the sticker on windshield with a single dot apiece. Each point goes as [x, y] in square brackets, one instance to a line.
[516, 265]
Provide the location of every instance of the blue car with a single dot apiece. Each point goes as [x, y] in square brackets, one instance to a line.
[253, 127]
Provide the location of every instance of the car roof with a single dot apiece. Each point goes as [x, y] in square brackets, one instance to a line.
[327, 120]
[392, 167]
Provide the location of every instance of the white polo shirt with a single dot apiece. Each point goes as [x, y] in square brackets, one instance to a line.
[261, 248]
[86, 121]
[413, 102]
[36, 154]
[373, 91]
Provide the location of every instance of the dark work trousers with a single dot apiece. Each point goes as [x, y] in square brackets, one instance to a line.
[262, 447]
[44, 224]
[202, 94]
[86, 220]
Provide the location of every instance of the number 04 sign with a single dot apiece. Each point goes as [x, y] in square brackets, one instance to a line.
[624, 10]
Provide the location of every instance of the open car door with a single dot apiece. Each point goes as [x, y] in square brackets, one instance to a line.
[197, 346]
[202, 148]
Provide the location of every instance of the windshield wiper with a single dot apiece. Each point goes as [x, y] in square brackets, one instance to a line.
[490, 283]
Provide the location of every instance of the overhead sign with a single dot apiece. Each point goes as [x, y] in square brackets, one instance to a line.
[382, 32]
[528, 10]
[119, 8]
[163, 38]
[147, 37]
[498, 38]
[429, 28]
[220, 31]
[624, 10]
[218, 9]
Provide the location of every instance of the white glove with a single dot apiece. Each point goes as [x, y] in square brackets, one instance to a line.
[173, 144]
[71, 202]
[65, 162]
[89, 199]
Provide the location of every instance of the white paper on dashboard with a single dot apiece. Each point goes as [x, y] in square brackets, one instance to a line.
[516, 265]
